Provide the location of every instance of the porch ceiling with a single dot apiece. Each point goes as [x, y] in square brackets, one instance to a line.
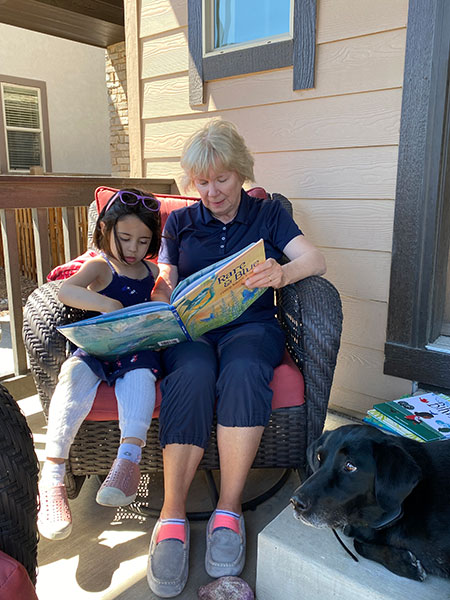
[95, 22]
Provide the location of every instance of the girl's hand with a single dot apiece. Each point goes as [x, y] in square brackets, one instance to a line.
[267, 274]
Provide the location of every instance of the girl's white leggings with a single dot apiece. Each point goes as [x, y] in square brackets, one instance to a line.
[74, 396]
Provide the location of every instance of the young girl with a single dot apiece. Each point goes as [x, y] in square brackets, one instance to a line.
[128, 230]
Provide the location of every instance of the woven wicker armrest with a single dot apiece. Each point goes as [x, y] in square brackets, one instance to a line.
[18, 489]
[311, 314]
[46, 347]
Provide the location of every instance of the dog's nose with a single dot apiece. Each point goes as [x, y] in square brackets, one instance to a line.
[299, 503]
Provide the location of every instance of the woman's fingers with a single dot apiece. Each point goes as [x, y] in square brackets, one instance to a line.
[267, 274]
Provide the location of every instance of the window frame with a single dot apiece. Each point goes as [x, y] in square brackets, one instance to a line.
[298, 52]
[421, 220]
[45, 131]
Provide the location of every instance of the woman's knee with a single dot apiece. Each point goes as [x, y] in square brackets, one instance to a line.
[194, 378]
[253, 370]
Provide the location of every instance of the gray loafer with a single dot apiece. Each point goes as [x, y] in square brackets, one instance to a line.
[225, 550]
[168, 564]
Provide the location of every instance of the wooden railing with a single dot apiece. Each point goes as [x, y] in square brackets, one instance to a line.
[39, 193]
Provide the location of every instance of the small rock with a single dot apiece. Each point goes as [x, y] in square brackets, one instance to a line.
[226, 588]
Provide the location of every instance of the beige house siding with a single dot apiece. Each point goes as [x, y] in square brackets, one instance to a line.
[331, 149]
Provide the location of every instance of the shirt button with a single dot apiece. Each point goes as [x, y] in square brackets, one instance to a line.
[222, 246]
[224, 228]
[223, 238]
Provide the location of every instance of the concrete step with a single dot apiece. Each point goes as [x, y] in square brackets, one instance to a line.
[298, 562]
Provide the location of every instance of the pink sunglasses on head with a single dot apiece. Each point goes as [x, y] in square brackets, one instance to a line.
[131, 199]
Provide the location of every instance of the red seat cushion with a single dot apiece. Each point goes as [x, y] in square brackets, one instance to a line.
[15, 583]
[287, 385]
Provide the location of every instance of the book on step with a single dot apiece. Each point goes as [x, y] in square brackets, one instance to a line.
[376, 418]
[207, 299]
[427, 416]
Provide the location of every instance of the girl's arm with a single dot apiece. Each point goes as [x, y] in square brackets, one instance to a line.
[166, 283]
[305, 260]
[79, 289]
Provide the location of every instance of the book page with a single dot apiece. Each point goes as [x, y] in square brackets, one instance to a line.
[140, 327]
[221, 296]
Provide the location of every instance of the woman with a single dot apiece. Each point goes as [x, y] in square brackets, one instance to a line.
[233, 364]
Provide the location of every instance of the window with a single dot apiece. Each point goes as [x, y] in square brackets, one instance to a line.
[231, 23]
[23, 126]
[417, 340]
[231, 37]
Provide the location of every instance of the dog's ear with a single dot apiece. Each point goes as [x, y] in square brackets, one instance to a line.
[311, 452]
[397, 474]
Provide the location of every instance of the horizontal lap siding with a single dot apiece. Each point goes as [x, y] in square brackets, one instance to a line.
[331, 149]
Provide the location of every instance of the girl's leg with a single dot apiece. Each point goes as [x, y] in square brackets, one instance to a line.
[70, 404]
[135, 393]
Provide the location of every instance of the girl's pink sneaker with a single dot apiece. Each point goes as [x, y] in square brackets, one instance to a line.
[54, 517]
[121, 484]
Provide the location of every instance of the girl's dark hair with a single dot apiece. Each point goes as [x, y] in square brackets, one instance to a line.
[116, 211]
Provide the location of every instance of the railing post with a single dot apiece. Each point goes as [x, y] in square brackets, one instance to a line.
[70, 233]
[13, 288]
[41, 244]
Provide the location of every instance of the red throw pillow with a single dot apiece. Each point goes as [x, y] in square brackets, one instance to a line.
[15, 583]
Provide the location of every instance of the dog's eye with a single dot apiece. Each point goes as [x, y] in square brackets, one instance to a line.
[349, 467]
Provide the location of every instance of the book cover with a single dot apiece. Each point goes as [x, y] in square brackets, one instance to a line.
[207, 299]
[370, 420]
[426, 415]
[375, 417]
[218, 297]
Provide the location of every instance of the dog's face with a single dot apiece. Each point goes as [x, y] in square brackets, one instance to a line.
[360, 477]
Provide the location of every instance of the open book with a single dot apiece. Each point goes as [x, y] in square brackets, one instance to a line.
[212, 297]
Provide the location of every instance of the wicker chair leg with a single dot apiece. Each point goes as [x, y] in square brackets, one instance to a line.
[73, 483]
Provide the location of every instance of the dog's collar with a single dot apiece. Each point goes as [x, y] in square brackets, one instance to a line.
[388, 519]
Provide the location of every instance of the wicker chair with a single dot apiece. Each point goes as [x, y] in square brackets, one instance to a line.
[310, 312]
[18, 487]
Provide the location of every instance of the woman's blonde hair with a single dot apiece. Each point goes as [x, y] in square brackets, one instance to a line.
[217, 145]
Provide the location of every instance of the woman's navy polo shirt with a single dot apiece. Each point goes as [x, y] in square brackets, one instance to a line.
[194, 239]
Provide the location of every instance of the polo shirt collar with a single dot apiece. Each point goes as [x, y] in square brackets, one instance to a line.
[241, 216]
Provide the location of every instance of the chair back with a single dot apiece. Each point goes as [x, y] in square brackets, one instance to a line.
[168, 202]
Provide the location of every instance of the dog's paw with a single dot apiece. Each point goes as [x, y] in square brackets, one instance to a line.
[399, 561]
[417, 569]
[349, 531]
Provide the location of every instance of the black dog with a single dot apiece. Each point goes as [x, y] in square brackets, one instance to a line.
[391, 494]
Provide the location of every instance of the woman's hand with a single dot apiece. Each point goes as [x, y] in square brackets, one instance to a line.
[267, 274]
[165, 283]
[305, 260]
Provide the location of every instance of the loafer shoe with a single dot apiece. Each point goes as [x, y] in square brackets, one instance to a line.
[121, 484]
[168, 564]
[225, 550]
